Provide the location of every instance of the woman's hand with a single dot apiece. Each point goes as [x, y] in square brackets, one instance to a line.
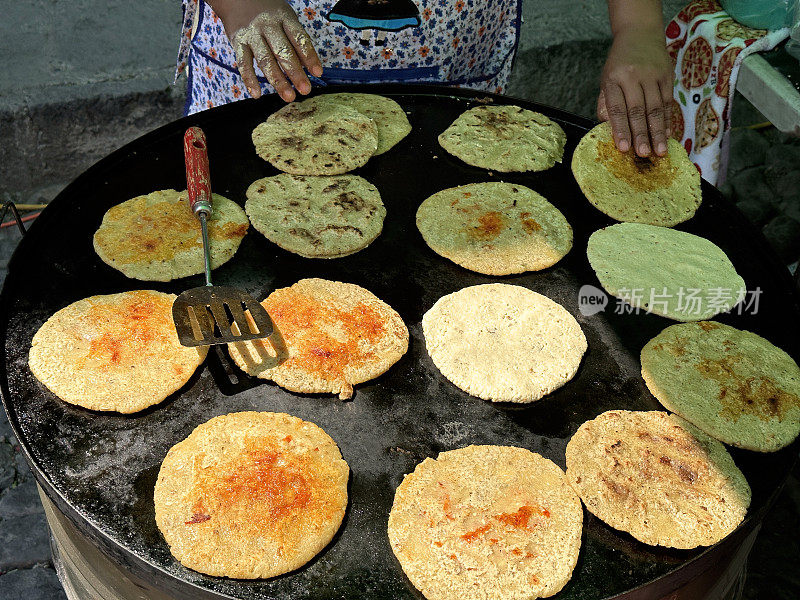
[269, 32]
[636, 84]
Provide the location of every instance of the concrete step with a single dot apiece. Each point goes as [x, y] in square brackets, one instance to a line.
[45, 146]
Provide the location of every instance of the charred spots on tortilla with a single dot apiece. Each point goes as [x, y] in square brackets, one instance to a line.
[298, 114]
[686, 474]
[290, 142]
[198, 518]
[306, 235]
[343, 229]
[349, 201]
[642, 164]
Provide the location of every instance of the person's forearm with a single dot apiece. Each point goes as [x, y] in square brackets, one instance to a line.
[628, 15]
[636, 84]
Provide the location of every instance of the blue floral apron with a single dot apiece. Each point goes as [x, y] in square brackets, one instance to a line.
[467, 43]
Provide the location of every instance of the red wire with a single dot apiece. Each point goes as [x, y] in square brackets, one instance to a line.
[24, 219]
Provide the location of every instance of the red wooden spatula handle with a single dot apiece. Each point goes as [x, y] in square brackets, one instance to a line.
[198, 179]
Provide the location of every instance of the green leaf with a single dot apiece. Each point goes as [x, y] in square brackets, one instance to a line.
[706, 91]
[682, 98]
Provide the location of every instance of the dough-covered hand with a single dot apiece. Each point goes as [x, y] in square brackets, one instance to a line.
[636, 92]
[269, 32]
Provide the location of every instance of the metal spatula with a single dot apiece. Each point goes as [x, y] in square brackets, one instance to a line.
[212, 314]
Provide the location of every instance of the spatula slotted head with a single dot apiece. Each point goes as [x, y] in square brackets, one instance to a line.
[219, 315]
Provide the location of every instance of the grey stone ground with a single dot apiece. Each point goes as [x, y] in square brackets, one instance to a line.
[84, 77]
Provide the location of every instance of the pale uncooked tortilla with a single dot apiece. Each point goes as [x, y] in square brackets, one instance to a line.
[503, 342]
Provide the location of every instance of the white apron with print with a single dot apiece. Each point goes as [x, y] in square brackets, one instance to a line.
[467, 43]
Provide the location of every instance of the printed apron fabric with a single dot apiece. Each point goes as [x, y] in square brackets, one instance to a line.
[707, 48]
[467, 43]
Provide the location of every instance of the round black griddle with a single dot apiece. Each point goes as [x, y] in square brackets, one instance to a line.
[100, 469]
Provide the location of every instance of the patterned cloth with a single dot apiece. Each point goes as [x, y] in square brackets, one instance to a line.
[707, 48]
[467, 43]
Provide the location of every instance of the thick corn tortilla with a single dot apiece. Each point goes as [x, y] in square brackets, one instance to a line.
[494, 228]
[505, 138]
[658, 478]
[664, 271]
[316, 217]
[486, 522]
[734, 385]
[655, 190]
[329, 336]
[389, 117]
[311, 138]
[156, 237]
[251, 495]
[118, 352]
[503, 342]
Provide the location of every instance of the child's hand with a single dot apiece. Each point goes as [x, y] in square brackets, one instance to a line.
[636, 91]
[268, 30]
